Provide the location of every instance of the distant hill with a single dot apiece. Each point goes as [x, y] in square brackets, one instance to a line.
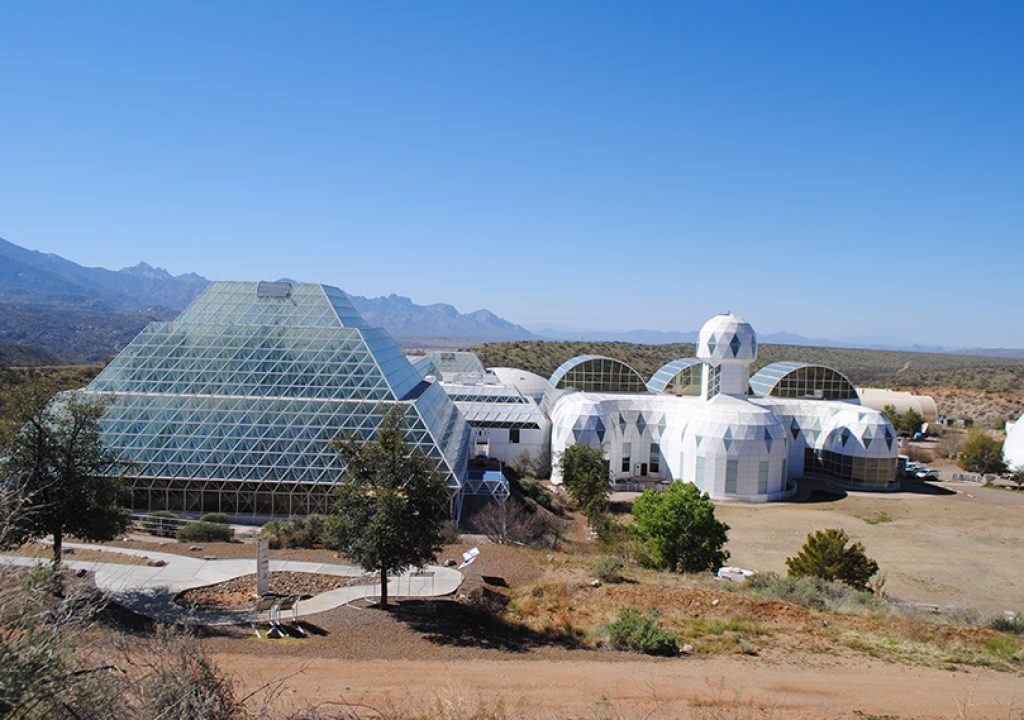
[16, 354]
[53, 309]
[872, 368]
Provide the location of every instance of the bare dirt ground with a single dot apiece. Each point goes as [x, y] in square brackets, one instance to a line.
[627, 687]
[45, 552]
[943, 543]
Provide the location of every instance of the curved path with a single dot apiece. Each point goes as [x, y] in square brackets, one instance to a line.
[150, 591]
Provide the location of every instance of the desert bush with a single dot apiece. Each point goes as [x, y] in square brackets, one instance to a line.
[982, 453]
[608, 568]
[154, 523]
[509, 521]
[533, 465]
[813, 592]
[950, 445]
[529, 490]
[1002, 623]
[918, 454]
[295, 532]
[216, 517]
[639, 632]
[204, 532]
[826, 555]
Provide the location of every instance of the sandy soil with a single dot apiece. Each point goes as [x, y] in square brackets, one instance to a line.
[819, 687]
[45, 552]
[946, 544]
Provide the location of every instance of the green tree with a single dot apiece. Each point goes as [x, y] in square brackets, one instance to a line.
[679, 530]
[391, 508]
[826, 555]
[894, 417]
[911, 421]
[982, 453]
[67, 478]
[1017, 477]
[586, 477]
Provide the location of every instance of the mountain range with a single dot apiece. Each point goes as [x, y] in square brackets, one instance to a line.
[54, 310]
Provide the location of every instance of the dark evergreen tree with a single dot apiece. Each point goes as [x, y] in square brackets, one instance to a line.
[826, 555]
[57, 465]
[391, 508]
[586, 478]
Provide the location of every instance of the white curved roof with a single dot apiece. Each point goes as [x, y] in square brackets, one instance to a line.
[878, 398]
[528, 383]
[1013, 448]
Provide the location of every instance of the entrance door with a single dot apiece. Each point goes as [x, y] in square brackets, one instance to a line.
[643, 469]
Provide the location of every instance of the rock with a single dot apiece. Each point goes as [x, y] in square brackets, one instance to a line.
[595, 583]
[156, 563]
[80, 572]
[450, 563]
[687, 649]
[69, 551]
[209, 557]
[195, 548]
[714, 603]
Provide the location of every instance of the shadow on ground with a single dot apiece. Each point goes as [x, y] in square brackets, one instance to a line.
[475, 625]
[915, 486]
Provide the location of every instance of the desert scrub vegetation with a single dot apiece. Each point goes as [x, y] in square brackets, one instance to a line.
[200, 531]
[872, 368]
[295, 532]
[634, 631]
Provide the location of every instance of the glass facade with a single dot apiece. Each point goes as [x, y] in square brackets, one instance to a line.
[679, 377]
[234, 406]
[714, 380]
[762, 477]
[731, 474]
[655, 466]
[798, 380]
[627, 450]
[873, 473]
[594, 373]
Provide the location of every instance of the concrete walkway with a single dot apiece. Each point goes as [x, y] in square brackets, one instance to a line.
[150, 591]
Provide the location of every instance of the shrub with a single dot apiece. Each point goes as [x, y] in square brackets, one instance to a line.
[638, 632]
[826, 555]
[678, 529]
[154, 523]
[586, 478]
[216, 517]
[510, 522]
[982, 453]
[1014, 625]
[204, 532]
[295, 532]
[813, 592]
[609, 569]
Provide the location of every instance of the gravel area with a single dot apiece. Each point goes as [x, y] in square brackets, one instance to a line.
[240, 593]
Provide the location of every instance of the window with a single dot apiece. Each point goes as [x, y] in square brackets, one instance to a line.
[714, 380]
[626, 450]
[762, 477]
[682, 466]
[655, 458]
[731, 471]
[698, 476]
[513, 435]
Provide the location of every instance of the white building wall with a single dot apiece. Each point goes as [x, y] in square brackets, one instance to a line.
[1013, 448]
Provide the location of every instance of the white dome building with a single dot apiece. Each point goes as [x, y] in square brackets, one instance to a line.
[1013, 448]
[705, 420]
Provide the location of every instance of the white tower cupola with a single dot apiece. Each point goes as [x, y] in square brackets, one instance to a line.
[727, 345]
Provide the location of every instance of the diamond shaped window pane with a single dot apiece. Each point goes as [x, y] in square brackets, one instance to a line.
[599, 429]
[735, 344]
[794, 427]
[641, 424]
[727, 439]
[712, 345]
[768, 439]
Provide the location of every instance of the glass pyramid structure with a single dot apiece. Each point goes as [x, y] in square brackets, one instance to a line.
[233, 406]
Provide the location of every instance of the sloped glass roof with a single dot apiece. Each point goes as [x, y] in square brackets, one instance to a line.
[255, 386]
[679, 377]
[802, 380]
[596, 373]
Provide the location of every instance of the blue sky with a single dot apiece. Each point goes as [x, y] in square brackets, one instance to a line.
[832, 169]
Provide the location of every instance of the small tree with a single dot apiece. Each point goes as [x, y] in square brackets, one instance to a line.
[391, 507]
[894, 417]
[679, 530]
[586, 477]
[826, 555]
[1017, 477]
[62, 468]
[911, 421]
[982, 453]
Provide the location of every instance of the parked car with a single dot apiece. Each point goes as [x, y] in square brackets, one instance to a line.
[924, 473]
